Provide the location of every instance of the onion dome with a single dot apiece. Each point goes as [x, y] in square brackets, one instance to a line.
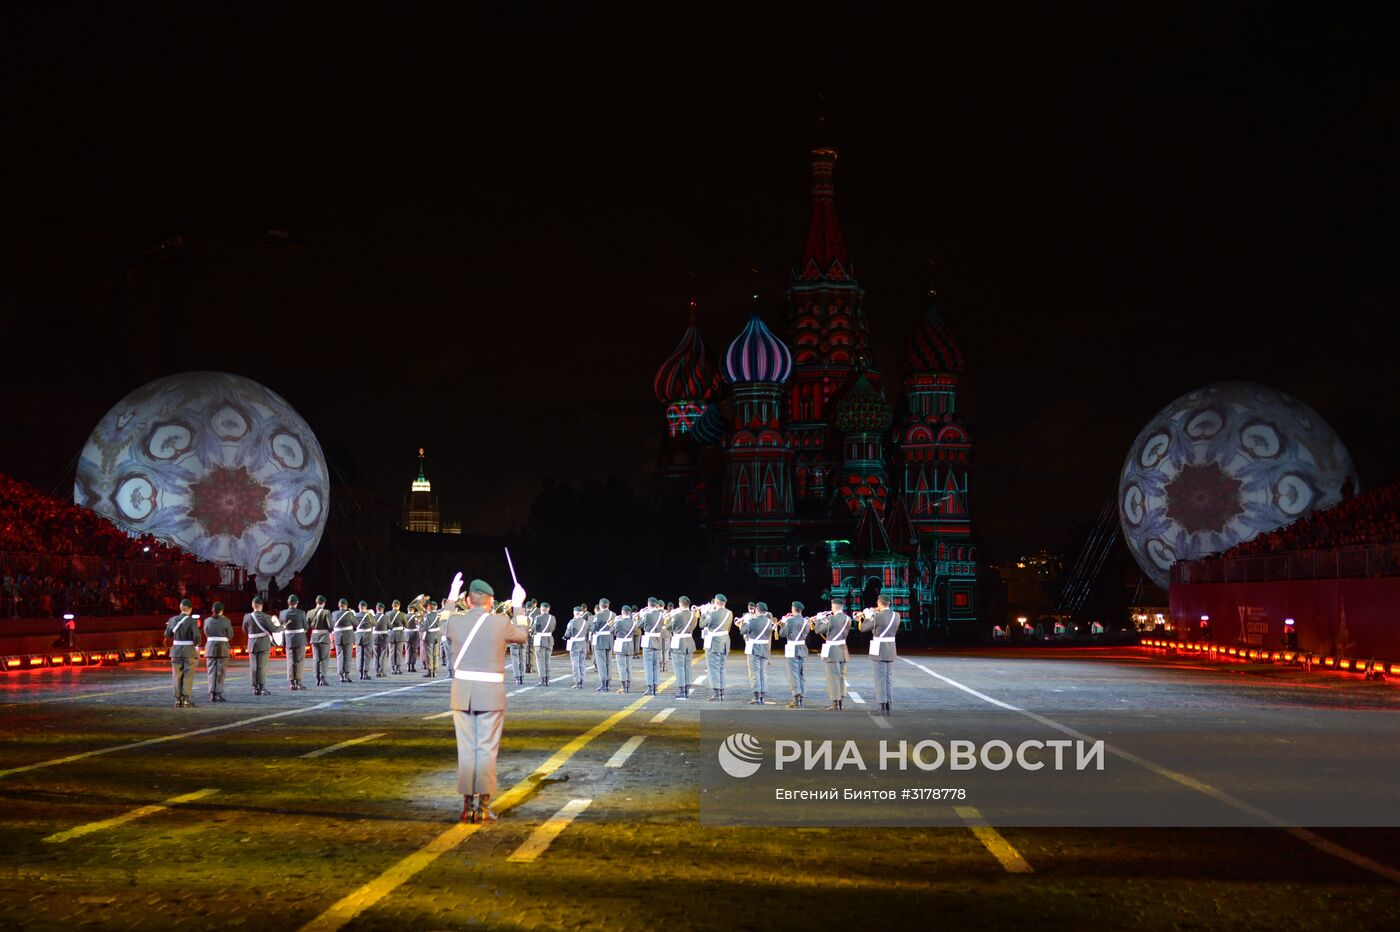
[711, 427]
[687, 374]
[863, 409]
[757, 356]
[932, 347]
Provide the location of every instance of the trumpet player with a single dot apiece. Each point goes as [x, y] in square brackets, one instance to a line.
[793, 632]
[532, 611]
[381, 639]
[432, 640]
[717, 621]
[343, 633]
[413, 628]
[651, 623]
[576, 635]
[833, 626]
[681, 625]
[624, 629]
[601, 632]
[542, 631]
[318, 623]
[519, 650]
[882, 623]
[758, 637]
[364, 637]
[398, 638]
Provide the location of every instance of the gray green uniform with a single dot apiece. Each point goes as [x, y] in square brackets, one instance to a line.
[364, 640]
[381, 642]
[793, 632]
[758, 637]
[318, 622]
[294, 642]
[398, 640]
[258, 626]
[479, 692]
[651, 623]
[343, 632]
[624, 629]
[680, 624]
[834, 628]
[542, 638]
[519, 652]
[413, 627]
[716, 625]
[882, 626]
[217, 631]
[432, 639]
[183, 632]
[576, 643]
[602, 647]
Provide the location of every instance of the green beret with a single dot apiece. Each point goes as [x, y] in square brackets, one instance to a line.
[379, 605]
[481, 586]
[761, 606]
[604, 602]
[720, 597]
[799, 606]
[257, 600]
[838, 599]
[684, 598]
[186, 603]
[345, 603]
[397, 603]
[292, 599]
[218, 607]
[320, 600]
[364, 604]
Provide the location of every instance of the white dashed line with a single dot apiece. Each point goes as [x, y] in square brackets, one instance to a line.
[344, 744]
[661, 716]
[543, 836]
[624, 752]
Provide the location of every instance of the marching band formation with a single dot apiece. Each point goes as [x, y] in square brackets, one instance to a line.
[398, 639]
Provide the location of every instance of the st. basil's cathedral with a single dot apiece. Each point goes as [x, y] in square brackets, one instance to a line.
[790, 449]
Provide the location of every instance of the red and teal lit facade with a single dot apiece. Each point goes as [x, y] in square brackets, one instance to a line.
[813, 463]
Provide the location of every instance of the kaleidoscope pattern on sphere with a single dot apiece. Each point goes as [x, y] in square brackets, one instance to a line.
[214, 463]
[1221, 465]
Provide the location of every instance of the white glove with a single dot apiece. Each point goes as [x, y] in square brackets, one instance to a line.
[517, 597]
[456, 591]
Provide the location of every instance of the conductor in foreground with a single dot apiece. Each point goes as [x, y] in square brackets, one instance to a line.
[479, 640]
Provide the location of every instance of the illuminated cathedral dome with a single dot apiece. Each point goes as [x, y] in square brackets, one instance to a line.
[687, 374]
[757, 356]
[863, 409]
[932, 347]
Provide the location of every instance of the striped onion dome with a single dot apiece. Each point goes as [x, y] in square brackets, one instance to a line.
[687, 374]
[932, 347]
[711, 427]
[757, 356]
[863, 408]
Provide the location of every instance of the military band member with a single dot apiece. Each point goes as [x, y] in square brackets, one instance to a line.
[364, 637]
[833, 626]
[680, 625]
[293, 621]
[793, 632]
[478, 699]
[576, 635]
[381, 638]
[519, 652]
[413, 629]
[259, 626]
[183, 632]
[318, 625]
[882, 625]
[217, 631]
[666, 610]
[398, 639]
[651, 624]
[758, 638]
[432, 639]
[532, 611]
[343, 634]
[624, 631]
[542, 631]
[716, 624]
[601, 633]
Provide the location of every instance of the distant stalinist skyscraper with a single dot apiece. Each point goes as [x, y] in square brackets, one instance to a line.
[420, 506]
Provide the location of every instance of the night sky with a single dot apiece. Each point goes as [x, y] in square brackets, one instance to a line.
[493, 225]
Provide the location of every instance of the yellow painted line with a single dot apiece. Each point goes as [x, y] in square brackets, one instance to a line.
[624, 752]
[991, 839]
[126, 817]
[344, 744]
[350, 906]
[542, 837]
